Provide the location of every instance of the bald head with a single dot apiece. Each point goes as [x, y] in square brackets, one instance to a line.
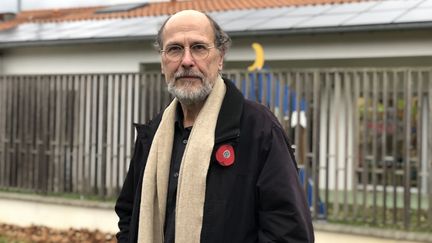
[192, 15]
[185, 17]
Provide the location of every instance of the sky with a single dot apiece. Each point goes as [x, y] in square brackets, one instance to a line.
[11, 5]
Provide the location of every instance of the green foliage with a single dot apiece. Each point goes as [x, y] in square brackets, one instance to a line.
[4, 239]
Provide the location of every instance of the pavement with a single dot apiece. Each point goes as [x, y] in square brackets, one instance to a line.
[330, 237]
[25, 210]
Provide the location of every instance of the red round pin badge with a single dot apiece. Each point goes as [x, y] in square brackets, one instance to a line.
[225, 155]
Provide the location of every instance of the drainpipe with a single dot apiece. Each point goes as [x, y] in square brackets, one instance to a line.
[1, 64]
[19, 6]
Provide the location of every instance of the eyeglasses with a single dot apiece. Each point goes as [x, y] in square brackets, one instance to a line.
[176, 52]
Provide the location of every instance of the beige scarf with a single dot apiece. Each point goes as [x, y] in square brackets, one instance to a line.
[193, 173]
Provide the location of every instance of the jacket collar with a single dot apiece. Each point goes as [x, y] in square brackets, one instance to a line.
[228, 123]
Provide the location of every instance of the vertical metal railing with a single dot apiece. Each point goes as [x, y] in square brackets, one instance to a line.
[362, 136]
[72, 133]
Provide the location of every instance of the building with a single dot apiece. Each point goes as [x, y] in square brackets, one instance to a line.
[294, 34]
[363, 135]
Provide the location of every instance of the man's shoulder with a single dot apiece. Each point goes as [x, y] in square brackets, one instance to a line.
[149, 128]
[259, 111]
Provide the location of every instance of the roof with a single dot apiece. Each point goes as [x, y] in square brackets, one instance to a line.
[154, 9]
[241, 17]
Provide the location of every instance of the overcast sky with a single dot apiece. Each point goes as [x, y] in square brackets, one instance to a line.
[11, 5]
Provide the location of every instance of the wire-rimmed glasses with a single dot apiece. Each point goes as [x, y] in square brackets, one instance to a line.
[176, 52]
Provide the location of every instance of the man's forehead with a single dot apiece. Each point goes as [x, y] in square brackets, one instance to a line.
[187, 15]
[188, 21]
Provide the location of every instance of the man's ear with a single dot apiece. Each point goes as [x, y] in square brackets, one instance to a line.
[162, 68]
[221, 62]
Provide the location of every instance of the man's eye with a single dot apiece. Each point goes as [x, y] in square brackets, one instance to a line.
[174, 49]
[199, 47]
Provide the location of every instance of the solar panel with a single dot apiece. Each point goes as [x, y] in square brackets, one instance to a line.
[313, 16]
[326, 20]
[308, 10]
[88, 31]
[26, 32]
[148, 26]
[269, 12]
[284, 22]
[425, 4]
[229, 15]
[377, 17]
[242, 24]
[121, 7]
[395, 4]
[416, 15]
[351, 7]
[132, 27]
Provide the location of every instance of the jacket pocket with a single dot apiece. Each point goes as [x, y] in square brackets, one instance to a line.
[213, 222]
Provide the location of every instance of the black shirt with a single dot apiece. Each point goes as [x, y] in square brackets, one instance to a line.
[181, 136]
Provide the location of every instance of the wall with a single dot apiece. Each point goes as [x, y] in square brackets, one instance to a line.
[88, 58]
[367, 49]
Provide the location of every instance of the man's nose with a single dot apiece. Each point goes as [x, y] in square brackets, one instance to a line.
[187, 60]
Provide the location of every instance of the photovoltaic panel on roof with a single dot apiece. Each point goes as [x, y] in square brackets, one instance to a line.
[425, 4]
[416, 15]
[369, 14]
[242, 24]
[229, 15]
[395, 4]
[351, 7]
[326, 20]
[269, 12]
[377, 17]
[308, 10]
[121, 7]
[283, 22]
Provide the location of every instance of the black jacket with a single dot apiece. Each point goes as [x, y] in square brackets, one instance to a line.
[259, 198]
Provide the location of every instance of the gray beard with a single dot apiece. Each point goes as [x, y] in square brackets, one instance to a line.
[188, 97]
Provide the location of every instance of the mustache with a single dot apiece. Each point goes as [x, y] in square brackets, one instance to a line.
[188, 73]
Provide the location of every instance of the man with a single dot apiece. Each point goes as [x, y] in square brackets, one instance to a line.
[213, 167]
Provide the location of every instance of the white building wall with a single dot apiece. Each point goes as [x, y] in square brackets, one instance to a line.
[337, 46]
[127, 56]
[89, 58]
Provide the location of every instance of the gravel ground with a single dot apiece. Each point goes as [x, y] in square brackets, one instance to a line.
[39, 234]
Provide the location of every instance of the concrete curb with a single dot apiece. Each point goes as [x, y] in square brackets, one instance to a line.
[373, 232]
[58, 213]
[49, 211]
[56, 200]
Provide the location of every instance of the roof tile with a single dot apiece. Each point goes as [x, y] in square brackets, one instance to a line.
[154, 9]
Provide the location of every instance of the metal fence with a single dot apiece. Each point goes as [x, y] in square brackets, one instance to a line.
[72, 133]
[362, 137]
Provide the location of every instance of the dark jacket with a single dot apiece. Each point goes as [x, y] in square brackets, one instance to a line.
[257, 199]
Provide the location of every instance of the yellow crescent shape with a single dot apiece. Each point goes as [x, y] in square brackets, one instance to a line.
[259, 57]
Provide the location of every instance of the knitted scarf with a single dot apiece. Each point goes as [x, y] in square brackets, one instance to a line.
[193, 173]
